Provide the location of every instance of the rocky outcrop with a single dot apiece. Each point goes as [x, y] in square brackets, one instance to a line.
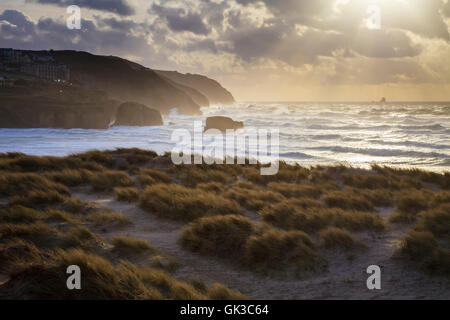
[223, 124]
[210, 88]
[135, 114]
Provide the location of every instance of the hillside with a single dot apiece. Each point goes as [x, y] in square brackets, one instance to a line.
[212, 89]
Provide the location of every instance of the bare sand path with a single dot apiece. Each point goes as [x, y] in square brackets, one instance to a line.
[344, 279]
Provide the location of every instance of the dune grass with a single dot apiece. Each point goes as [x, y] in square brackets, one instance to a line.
[221, 235]
[290, 217]
[109, 219]
[333, 237]
[347, 201]
[126, 194]
[181, 203]
[409, 204]
[128, 246]
[108, 180]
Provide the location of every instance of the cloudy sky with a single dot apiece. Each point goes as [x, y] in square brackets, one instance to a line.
[297, 50]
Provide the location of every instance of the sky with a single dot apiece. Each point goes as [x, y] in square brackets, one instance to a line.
[261, 50]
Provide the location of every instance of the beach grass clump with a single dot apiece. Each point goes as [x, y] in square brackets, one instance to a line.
[109, 219]
[347, 201]
[218, 291]
[288, 216]
[157, 175]
[70, 177]
[101, 280]
[19, 184]
[20, 214]
[254, 199]
[128, 246]
[181, 203]
[422, 247]
[220, 235]
[333, 237]
[40, 234]
[78, 236]
[16, 252]
[77, 206]
[290, 190]
[215, 187]
[366, 181]
[102, 158]
[108, 180]
[409, 204]
[283, 250]
[198, 175]
[436, 220]
[126, 194]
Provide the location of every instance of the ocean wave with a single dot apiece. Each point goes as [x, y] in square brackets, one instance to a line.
[295, 155]
[381, 152]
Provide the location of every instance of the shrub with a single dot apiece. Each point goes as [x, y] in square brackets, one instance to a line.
[181, 203]
[108, 180]
[222, 235]
[338, 238]
[127, 194]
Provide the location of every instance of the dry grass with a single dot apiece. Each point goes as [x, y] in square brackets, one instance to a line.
[108, 180]
[221, 235]
[156, 175]
[290, 190]
[254, 199]
[109, 219]
[422, 248]
[195, 175]
[409, 204]
[333, 237]
[18, 184]
[128, 246]
[288, 250]
[288, 216]
[126, 194]
[180, 203]
[347, 201]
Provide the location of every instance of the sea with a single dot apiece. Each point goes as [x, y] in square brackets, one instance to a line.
[406, 135]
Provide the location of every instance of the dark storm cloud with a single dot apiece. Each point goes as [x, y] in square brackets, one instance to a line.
[179, 20]
[120, 7]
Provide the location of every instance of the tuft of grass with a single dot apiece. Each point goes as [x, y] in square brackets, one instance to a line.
[436, 220]
[218, 291]
[195, 175]
[294, 190]
[275, 249]
[20, 214]
[409, 204]
[366, 181]
[290, 217]
[108, 180]
[211, 187]
[39, 234]
[128, 246]
[347, 201]
[109, 219]
[126, 194]
[79, 237]
[180, 203]
[156, 175]
[220, 235]
[333, 237]
[69, 177]
[18, 184]
[254, 199]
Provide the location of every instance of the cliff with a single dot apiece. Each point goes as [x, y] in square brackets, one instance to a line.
[210, 88]
[125, 81]
[47, 105]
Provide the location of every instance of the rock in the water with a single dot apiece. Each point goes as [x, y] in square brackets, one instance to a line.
[223, 124]
[135, 114]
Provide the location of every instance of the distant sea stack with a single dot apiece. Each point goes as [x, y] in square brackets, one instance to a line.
[223, 124]
[211, 89]
[135, 114]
